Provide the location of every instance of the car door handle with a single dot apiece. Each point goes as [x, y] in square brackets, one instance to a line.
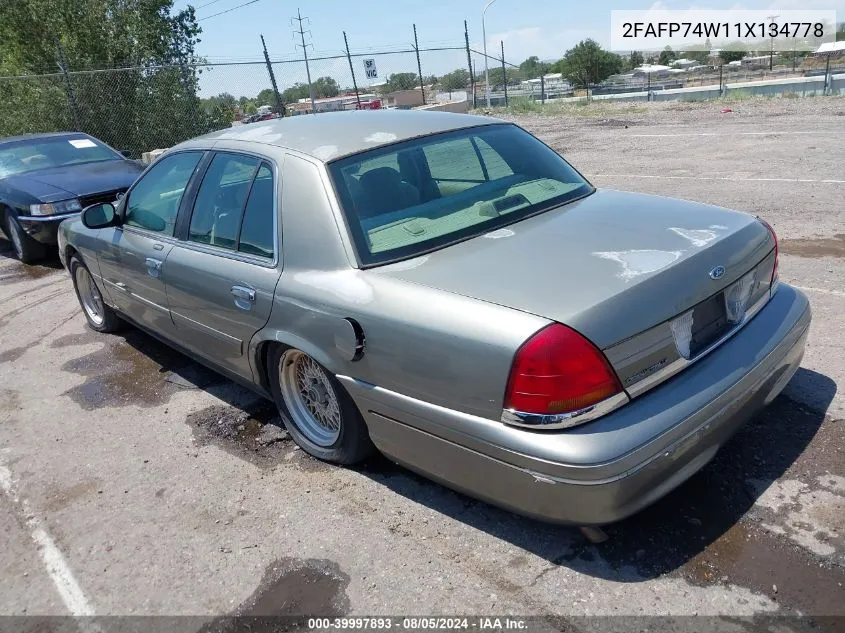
[154, 267]
[244, 297]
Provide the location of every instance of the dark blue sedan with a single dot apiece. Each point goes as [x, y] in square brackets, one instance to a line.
[47, 178]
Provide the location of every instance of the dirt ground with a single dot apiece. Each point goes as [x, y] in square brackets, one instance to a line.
[132, 482]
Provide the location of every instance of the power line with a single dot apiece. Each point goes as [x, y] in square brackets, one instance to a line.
[301, 32]
[214, 15]
[206, 4]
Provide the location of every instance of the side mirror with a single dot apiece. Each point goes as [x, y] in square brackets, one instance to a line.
[99, 216]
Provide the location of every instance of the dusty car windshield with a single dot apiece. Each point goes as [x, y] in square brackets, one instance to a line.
[44, 153]
[419, 195]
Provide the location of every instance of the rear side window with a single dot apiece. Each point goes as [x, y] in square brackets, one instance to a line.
[257, 228]
[234, 206]
[220, 200]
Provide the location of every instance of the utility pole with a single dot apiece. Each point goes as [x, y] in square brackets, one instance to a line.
[419, 65]
[504, 73]
[280, 107]
[352, 70]
[771, 20]
[299, 19]
[469, 63]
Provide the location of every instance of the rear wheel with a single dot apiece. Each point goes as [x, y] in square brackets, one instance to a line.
[100, 317]
[320, 415]
[27, 249]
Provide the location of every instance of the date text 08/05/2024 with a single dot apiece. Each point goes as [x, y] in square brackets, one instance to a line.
[419, 623]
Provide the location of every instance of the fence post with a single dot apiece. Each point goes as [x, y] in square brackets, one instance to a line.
[279, 105]
[542, 89]
[474, 94]
[469, 65]
[721, 89]
[74, 108]
[828, 80]
[419, 66]
[352, 70]
[504, 72]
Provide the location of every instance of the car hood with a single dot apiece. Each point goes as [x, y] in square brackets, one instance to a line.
[74, 181]
[610, 265]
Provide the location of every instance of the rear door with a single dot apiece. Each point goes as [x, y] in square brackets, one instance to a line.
[132, 256]
[222, 275]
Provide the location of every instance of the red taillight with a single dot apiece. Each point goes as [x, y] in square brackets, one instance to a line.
[557, 371]
[775, 238]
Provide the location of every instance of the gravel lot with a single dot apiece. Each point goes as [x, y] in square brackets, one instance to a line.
[134, 482]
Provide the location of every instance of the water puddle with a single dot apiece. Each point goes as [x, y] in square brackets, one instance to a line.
[128, 369]
[815, 247]
[255, 434]
[290, 587]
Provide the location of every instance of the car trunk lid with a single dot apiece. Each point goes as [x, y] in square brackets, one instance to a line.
[611, 265]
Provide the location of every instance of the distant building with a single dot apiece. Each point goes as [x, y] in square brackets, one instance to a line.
[404, 99]
[683, 62]
[758, 61]
[834, 49]
[651, 69]
[553, 83]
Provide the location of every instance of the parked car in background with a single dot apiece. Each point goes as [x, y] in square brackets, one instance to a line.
[449, 290]
[47, 178]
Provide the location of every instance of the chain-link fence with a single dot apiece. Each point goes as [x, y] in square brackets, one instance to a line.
[143, 108]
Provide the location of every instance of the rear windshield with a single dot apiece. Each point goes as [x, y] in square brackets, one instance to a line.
[419, 195]
[45, 153]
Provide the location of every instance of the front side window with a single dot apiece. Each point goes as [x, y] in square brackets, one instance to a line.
[419, 195]
[154, 200]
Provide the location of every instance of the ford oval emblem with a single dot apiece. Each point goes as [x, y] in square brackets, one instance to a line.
[717, 273]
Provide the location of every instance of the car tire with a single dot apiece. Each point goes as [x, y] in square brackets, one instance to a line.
[318, 412]
[100, 317]
[27, 249]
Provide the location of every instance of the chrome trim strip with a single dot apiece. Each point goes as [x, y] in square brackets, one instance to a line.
[564, 420]
[48, 218]
[682, 363]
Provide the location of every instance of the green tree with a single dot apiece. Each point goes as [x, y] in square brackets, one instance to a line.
[458, 79]
[402, 81]
[587, 64]
[667, 56]
[325, 87]
[732, 55]
[532, 68]
[130, 109]
[635, 59]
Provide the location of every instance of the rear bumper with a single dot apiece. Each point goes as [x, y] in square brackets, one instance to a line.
[44, 229]
[613, 467]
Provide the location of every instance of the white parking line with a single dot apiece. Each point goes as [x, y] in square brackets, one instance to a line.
[54, 561]
[827, 181]
[774, 132]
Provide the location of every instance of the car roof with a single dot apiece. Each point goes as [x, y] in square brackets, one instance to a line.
[330, 135]
[40, 135]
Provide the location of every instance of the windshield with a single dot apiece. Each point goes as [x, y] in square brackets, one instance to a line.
[419, 195]
[45, 153]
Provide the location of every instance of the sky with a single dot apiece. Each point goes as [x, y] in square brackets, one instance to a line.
[545, 28]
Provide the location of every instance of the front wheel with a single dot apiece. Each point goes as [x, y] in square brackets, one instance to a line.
[321, 417]
[27, 249]
[100, 317]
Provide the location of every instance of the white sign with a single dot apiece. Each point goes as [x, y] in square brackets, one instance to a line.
[82, 143]
[370, 68]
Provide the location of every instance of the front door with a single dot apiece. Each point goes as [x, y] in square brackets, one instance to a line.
[222, 278]
[134, 255]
